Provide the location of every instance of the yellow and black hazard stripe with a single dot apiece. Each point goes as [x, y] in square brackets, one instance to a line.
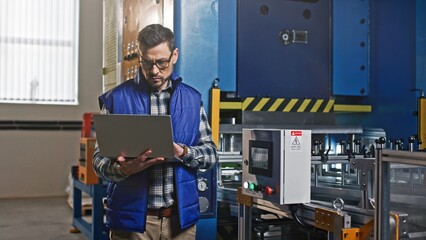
[280, 105]
[287, 105]
[292, 105]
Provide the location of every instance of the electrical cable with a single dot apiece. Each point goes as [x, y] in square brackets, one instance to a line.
[293, 209]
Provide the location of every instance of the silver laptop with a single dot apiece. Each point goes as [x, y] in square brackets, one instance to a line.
[131, 135]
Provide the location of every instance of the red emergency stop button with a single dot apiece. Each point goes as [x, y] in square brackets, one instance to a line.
[268, 190]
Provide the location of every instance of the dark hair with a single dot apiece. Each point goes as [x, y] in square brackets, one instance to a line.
[155, 34]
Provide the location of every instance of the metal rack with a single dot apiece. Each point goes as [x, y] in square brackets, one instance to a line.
[96, 230]
[383, 195]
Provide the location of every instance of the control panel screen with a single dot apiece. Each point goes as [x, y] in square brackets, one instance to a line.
[260, 156]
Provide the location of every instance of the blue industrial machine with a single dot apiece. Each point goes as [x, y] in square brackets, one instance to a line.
[281, 43]
[293, 56]
[351, 74]
[346, 51]
[311, 63]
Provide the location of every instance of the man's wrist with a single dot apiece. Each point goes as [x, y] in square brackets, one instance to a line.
[184, 151]
[123, 171]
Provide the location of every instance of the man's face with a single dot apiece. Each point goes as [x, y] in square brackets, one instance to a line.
[157, 65]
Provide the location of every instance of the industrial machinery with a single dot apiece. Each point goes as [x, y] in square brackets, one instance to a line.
[305, 65]
[229, 175]
[276, 165]
[341, 180]
[340, 165]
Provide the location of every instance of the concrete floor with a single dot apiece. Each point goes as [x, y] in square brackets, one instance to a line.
[37, 218]
[51, 219]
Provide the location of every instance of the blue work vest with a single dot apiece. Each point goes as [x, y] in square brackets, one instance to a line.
[127, 199]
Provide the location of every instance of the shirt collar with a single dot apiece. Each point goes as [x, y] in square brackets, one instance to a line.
[168, 88]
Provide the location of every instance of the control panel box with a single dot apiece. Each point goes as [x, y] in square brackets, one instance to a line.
[86, 173]
[277, 165]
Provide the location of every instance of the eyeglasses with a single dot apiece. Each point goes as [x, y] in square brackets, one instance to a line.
[161, 64]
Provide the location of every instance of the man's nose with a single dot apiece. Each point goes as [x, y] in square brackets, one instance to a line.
[155, 70]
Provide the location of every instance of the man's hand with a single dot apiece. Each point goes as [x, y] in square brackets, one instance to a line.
[178, 149]
[142, 162]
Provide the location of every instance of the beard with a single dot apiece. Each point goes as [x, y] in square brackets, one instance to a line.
[157, 82]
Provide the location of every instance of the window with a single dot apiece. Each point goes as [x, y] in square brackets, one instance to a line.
[39, 51]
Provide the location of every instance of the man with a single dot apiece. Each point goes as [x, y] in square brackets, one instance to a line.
[151, 198]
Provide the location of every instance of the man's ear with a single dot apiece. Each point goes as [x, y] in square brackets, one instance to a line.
[175, 55]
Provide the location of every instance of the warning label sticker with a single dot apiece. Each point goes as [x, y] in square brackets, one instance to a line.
[296, 141]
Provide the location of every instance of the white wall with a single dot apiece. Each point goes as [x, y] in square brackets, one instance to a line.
[37, 163]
